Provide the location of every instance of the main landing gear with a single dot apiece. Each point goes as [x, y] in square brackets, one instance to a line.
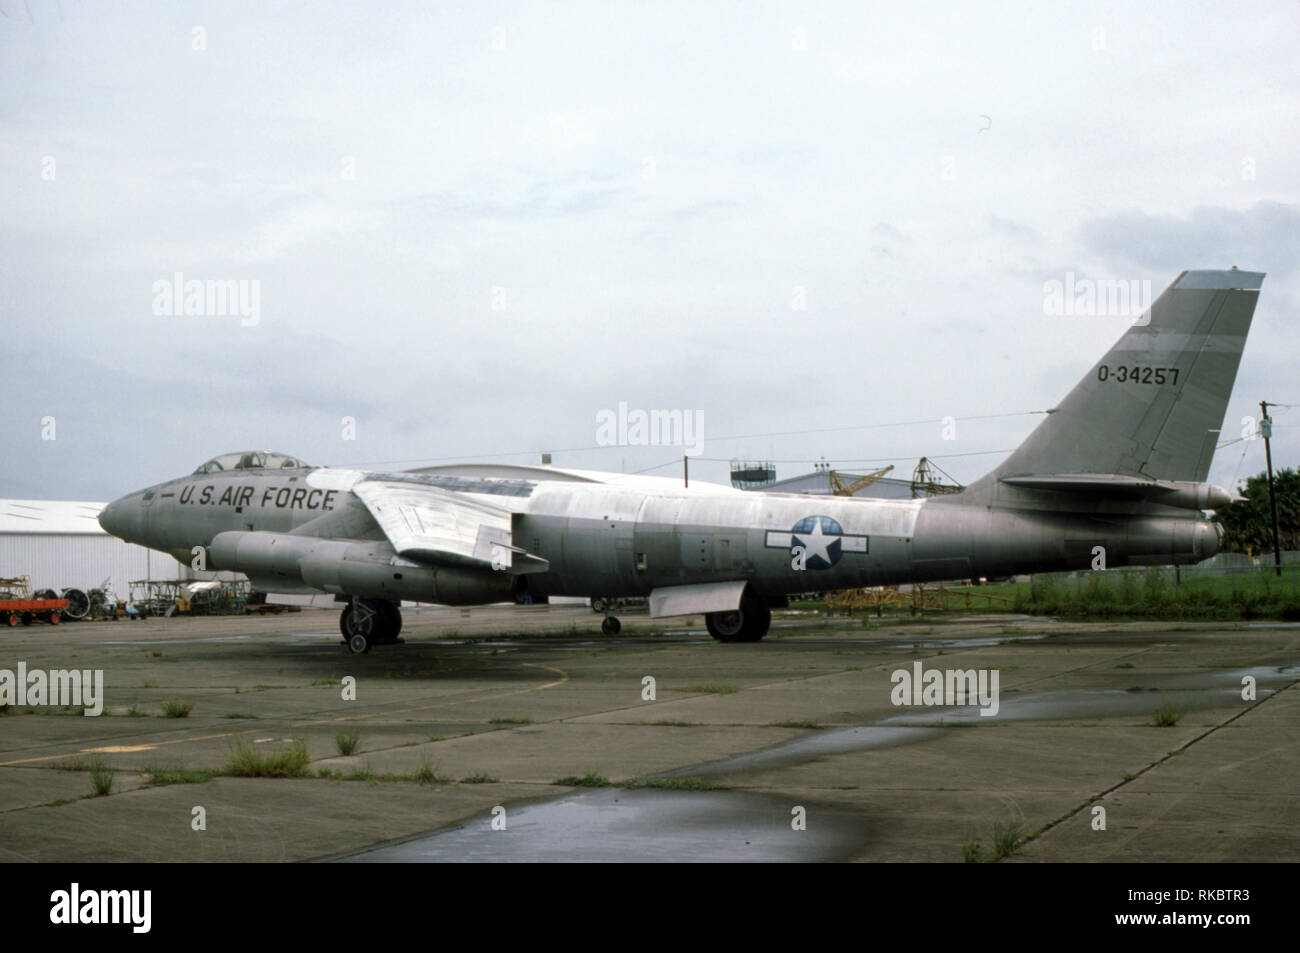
[367, 622]
[749, 623]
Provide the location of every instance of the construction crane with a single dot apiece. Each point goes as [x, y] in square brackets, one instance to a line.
[841, 487]
[925, 481]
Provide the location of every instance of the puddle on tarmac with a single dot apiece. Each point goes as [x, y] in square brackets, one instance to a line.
[836, 741]
[615, 825]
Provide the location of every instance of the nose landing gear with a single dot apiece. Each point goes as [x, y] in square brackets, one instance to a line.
[369, 622]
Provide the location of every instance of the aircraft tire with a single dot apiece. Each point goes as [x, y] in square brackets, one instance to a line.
[749, 623]
[611, 625]
[725, 626]
[359, 644]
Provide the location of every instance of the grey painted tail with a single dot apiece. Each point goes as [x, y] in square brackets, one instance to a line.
[1154, 405]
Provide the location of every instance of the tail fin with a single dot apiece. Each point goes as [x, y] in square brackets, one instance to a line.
[1154, 405]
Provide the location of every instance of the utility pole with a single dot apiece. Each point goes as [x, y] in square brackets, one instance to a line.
[1266, 430]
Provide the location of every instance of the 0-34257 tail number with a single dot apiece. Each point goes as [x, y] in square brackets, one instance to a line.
[1137, 374]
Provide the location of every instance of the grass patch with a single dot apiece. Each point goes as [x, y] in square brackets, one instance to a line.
[238, 714]
[972, 852]
[177, 708]
[346, 741]
[591, 779]
[179, 775]
[690, 783]
[427, 773]
[794, 724]
[245, 761]
[101, 778]
[1125, 665]
[135, 711]
[511, 721]
[478, 777]
[328, 681]
[713, 689]
[1006, 838]
[1167, 716]
[673, 724]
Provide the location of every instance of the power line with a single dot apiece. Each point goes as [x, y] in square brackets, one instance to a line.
[752, 436]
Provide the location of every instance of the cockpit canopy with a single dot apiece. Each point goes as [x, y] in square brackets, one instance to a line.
[252, 460]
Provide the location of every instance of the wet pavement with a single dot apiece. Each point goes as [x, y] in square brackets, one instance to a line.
[641, 825]
[517, 700]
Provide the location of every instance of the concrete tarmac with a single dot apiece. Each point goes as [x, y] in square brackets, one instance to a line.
[788, 749]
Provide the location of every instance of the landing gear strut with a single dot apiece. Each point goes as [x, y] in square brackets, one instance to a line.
[749, 623]
[368, 622]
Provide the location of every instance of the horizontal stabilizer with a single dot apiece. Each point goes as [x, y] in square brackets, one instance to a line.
[1187, 495]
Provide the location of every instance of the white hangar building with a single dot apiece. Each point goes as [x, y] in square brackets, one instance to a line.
[58, 544]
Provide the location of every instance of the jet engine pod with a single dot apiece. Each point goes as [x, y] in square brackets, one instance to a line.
[1164, 541]
[371, 569]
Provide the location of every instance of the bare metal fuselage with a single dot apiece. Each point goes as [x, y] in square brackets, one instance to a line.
[1113, 476]
[629, 537]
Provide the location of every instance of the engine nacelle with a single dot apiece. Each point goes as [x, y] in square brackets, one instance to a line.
[281, 562]
[1164, 541]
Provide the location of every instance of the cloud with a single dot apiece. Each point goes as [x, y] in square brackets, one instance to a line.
[1264, 237]
[1014, 230]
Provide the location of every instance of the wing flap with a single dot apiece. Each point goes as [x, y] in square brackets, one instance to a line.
[696, 597]
[432, 525]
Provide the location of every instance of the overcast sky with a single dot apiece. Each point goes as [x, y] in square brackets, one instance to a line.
[474, 227]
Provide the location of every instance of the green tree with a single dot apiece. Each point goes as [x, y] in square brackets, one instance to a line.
[1248, 524]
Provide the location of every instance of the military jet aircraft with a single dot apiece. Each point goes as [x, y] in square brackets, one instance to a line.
[1117, 469]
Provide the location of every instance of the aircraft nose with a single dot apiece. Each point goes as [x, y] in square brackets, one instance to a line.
[115, 518]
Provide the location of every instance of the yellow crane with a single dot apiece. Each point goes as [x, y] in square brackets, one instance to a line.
[841, 487]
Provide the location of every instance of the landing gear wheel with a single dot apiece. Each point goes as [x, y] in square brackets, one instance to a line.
[597, 605]
[375, 621]
[611, 625]
[749, 623]
[360, 624]
[725, 626]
